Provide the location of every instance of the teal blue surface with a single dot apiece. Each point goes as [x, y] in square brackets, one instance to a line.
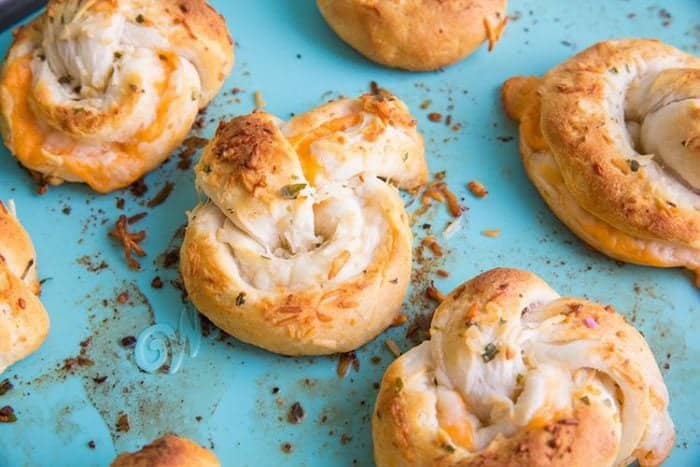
[223, 397]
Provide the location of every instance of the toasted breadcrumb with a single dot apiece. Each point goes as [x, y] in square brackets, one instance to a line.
[477, 189]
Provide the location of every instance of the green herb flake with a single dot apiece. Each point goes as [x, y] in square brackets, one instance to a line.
[449, 448]
[490, 352]
[520, 379]
[585, 400]
[634, 165]
[405, 156]
[614, 70]
[398, 385]
[140, 19]
[292, 191]
[240, 299]
[206, 169]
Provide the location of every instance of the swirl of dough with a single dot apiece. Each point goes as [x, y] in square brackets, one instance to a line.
[168, 451]
[102, 91]
[611, 139]
[24, 323]
[302, 248]
[515, 375]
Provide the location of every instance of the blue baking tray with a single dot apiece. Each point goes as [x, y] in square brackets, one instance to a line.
[235, 398]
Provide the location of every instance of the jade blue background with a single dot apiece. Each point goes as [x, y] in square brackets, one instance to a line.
[223, 397]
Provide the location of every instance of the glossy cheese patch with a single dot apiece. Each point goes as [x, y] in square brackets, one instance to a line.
[302, 142]
[451, 411]
[42, 148]
[598, 233]
[29, 137]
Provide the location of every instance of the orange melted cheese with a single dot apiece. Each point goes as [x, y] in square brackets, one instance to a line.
[27, 136]
[597, 232]
[453, 420]
[30, 139]
[156, 128]
[530, 127]
[525, 105]
[303, 141]
[106, 6]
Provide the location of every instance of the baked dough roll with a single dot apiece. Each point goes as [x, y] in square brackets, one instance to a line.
[24, 323]
[515, 375]
[416, 35]
[302, 249]
[611, 139]
[168, 451]
[103, 91]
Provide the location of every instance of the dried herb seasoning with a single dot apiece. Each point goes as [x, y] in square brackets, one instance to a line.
[490, 352]
[292, 191]
[296, 413]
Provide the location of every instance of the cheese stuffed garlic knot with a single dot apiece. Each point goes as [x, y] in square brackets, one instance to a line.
[611, 139]
[102, 91]
[302, 248]
[24, 323]
[416, 35]
[168, 451]
[515, 375]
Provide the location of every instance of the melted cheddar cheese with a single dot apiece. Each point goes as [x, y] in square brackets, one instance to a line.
[27, 136]
[523, 103]
[303, 141]
[591, 229]
[33, 145]
[451, 413]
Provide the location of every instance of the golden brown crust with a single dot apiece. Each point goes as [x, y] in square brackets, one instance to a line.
[168, 451]
[579, 441]
[205, 27]
[250, 150]
[24, 323]
[17, 250]
[576, 441]
[108, 122]
[387, 111]
[450, 402]
[302, 248]
[587, 155]
[596, 182]
[415, 34]
[321, 320]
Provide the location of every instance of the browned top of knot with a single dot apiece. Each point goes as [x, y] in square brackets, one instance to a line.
[244, 141]
[251, 151]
